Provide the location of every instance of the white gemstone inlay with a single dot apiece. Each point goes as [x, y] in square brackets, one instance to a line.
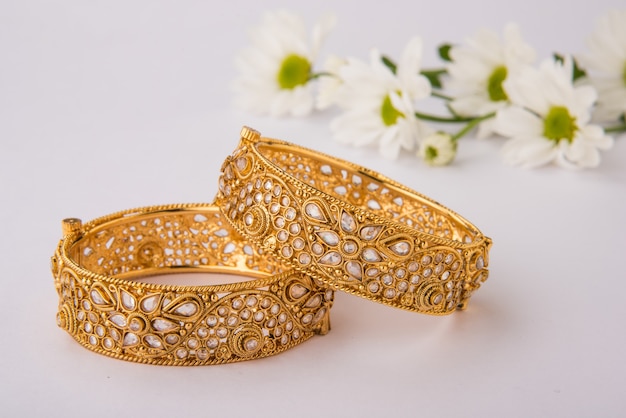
[329, 237]
[153, 341]
[97, 298]
[130, 339]
[348, 223]
[135, 324]
[297, 291]
[304, 259]
[373, 204]
[350, 247]
[118, 319]
[128, 301]
[290, 214]
[401, 248]
[237, 303]
[370, 232]
[331, 258]
[100, 331]
[371, 255]
[314, 302]
[314, 211]
[108, 343]
[294, 228]
[287, 251]
[298, 243]
[187, 309]
[354, 269]
[480, 263]
[163, 325]
[251, 344]
[373, 287]
[317, 248]
[282, 235]
[319, 315]
[241, 163]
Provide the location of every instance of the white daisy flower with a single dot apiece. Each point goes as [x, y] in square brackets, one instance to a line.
[606, 65]
[549, 119]
[379, 105]
[479, 68]
[330, 82]
[438, 149]
[275, 72]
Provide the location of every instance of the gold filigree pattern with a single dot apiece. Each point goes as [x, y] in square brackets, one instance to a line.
[108, 312]
[352, 228]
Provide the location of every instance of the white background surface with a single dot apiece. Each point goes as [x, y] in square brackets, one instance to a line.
[112, 105]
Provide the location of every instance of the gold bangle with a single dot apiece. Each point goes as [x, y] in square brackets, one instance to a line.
[107, 311]
[350, 227]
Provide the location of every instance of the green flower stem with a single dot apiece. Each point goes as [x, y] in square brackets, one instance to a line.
[471, 125]
[616, 128]
[441, 96]
[443, 119]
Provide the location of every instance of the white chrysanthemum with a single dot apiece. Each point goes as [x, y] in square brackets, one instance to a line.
[275, 72]
[606, 65]
[549, 119]
[438, 149]
[379, 105]
[479, 68]
[330, 82]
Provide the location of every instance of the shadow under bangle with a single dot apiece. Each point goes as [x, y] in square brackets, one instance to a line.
[107, 310]
[350, 227]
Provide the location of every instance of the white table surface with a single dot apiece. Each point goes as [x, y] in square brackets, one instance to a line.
[112, 105]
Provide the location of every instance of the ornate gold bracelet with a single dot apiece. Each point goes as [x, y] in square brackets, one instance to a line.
[107, 310]
[350, 227]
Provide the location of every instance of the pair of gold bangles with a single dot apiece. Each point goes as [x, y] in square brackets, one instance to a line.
[297, 223]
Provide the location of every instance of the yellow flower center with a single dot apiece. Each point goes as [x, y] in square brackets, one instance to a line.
[430, 153]
[559, 124]
[494, 84]
[294, 71]
[389, 113]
